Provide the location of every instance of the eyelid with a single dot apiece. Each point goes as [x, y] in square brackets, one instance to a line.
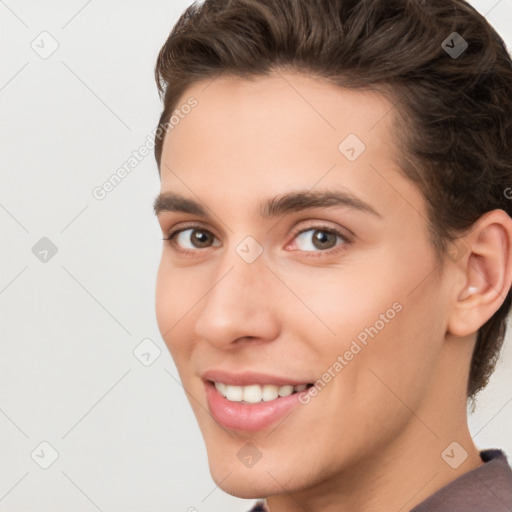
[319, 226]
[182, 226]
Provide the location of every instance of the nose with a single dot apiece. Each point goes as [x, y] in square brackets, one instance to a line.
[238, 304]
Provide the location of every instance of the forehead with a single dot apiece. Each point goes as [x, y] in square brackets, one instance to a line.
[280, 131]
[283, 107]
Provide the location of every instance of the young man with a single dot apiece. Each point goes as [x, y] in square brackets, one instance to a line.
[336, 271]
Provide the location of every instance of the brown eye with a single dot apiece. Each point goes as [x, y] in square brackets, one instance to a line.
[324, 239]
[316, 239]
[194, 238]
[201, 238]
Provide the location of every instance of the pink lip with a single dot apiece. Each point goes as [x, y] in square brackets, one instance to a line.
[248, 378]
[244, 416]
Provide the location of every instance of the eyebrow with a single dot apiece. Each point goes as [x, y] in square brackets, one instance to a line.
[274, 207]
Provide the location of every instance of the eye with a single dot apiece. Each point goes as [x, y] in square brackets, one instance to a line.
[319, 239]
[193, 238]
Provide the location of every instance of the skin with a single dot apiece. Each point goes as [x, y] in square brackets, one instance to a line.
[372, 438]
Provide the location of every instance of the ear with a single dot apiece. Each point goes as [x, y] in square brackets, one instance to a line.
[486, 267]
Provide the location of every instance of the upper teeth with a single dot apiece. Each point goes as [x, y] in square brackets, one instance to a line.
[256, 393]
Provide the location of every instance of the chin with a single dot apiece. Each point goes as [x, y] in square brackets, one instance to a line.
[244, 483]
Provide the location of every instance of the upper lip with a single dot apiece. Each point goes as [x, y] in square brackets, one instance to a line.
[247, 378]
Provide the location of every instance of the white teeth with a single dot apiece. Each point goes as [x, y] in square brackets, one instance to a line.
[252, 394]
[221, 388]
[234, 393]
[285, 390]
[270, 392]
[256, 393]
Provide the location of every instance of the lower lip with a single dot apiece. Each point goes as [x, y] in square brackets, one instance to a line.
[248, 417]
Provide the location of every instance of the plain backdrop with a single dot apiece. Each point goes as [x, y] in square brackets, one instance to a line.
[77, 274]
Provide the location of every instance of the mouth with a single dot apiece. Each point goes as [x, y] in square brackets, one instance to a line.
[241, 404]
[256, 393]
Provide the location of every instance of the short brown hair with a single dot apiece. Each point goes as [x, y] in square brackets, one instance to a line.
[455, 111]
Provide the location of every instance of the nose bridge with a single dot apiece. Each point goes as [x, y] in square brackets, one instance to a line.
[236, 304]
[238, 284]
[244, 268]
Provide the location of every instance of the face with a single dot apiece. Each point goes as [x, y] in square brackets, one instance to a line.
[298, 255]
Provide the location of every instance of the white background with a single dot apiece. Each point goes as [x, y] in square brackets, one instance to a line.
[125, 434]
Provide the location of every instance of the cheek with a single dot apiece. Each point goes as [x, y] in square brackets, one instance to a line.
[398, 363]
[337, 305]
[173, 302]
[164, 299]
[380, 316]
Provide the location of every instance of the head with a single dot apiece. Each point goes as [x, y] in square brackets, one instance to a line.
[337, 195]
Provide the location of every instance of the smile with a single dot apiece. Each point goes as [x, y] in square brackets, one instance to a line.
[256, 393]
[251, 407]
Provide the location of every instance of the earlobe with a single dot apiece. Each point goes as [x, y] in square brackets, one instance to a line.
[487, 273]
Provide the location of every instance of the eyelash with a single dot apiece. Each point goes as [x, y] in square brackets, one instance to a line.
[188, 252]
